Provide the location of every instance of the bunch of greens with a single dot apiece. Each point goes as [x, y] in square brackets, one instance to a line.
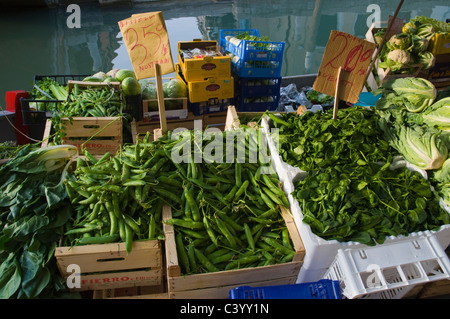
[315, 140]
[438, 25]
[33, 209]
[46, 90]
[8, 149]
[368, 203]
[317, 97]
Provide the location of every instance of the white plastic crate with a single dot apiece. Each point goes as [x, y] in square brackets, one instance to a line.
[320, 252]
[390, 270]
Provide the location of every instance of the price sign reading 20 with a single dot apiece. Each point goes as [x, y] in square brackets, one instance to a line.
[353, 55]
[147, 42]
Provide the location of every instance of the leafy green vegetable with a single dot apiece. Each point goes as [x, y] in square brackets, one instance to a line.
[317, 97]
[414, 23]
[314, 140]
[415, 94]
[367, 203]
[33, 207]
[441, 181]
[438, 114]
[48, 89]
[421, 146]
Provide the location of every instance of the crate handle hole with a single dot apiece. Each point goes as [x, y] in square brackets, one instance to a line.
[91, 126]
[110, 259]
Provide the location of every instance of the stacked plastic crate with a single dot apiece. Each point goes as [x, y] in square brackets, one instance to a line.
[207, 74]
[256, 68]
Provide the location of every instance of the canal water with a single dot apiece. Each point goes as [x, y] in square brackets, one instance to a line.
[42, 41]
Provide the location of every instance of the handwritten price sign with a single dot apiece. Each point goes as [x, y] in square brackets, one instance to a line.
[353, 55]
[147, 42]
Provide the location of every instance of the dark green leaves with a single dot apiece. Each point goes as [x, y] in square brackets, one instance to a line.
[315, 140]
[33, 207]
[367, 203]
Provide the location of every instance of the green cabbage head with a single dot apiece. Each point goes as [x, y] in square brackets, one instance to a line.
[423, 147]
[438, 114]
[415, 94]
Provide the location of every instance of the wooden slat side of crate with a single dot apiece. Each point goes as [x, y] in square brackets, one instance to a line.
[222, 292]
[85, 84]
[233, 119]
[201, 285]
[191, 122]
[109, 265]
[97, 134]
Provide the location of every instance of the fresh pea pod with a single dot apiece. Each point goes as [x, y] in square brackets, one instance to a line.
[204, 261]
[242, 189]
[185, 223]
[98, 239]
[184, 259]
[248, 235]
[129, 234]
[242, 261]
[224, 230]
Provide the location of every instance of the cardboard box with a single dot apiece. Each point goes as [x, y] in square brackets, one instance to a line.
[198, 69]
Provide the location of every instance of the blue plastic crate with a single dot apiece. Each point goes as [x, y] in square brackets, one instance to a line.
[252, 58]
[257, 94]
[257, 87]
[322, 289]
[249, 50]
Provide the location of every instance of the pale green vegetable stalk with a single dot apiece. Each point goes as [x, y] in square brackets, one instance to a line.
[420, 146]
[47, 159]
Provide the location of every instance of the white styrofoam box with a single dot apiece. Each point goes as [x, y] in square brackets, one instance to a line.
[390, 270]
[319, 253]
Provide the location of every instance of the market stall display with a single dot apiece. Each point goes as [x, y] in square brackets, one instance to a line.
[270, 200]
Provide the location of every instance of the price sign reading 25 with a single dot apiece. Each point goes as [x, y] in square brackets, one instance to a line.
[353, 55]
[134, 40]
[147, 43]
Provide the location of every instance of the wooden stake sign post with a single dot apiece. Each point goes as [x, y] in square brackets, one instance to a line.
[147, 42]
[344, 66]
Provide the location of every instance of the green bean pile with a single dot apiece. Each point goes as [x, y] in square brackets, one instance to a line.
[102, 101]
[226, 215]
[119, 198]
[230, 217]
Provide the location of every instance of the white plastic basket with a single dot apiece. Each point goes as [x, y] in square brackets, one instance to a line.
[390, 270]
[319, 253]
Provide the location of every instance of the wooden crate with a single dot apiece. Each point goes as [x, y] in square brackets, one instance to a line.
[203, 121]
[142, 292]
[108, 266]
[97, 135]
[233, 119]
[217, 285]
[170, 113]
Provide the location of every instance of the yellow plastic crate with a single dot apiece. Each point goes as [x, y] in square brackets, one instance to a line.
[440, 44]
[198, 69]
